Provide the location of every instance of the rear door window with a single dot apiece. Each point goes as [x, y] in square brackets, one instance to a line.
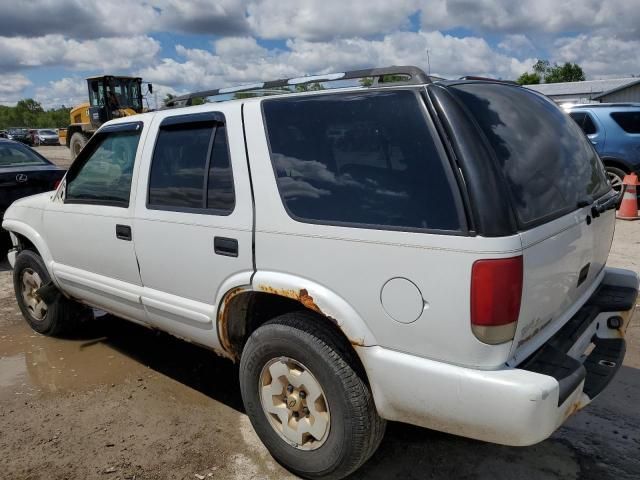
[628, 121]
[191, 169]
[547, 162]
[360, 159]
[585, 122]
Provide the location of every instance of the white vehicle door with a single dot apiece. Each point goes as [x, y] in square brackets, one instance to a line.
[193, 220]
[88, 226]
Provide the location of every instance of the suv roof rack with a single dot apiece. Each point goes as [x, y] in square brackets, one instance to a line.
[415, 76]
[488, 79]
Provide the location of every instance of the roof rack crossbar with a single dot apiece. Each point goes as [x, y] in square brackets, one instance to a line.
[415, 77]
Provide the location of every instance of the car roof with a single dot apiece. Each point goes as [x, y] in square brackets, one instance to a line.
[604, 106]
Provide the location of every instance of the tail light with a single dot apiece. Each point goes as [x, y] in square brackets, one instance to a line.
[496, 292]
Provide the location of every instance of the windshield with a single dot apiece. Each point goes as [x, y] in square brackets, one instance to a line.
[126, 92]
[47, 132]
[17, 155]
[548, 163]
[18, 131]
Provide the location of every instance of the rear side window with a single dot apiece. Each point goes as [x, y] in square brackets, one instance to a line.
[584, 121]
[628, 121]
[548, 163]
[191, 169]
[360, 159]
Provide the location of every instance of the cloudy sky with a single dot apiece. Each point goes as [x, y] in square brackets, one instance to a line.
[47, 47]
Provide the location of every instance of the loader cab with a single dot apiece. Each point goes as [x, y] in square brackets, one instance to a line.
[113, 97]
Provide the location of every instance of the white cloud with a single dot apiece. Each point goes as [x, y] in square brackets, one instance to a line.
[66, 91]
[517, 43]
[102, 54]
[11, 87]
[322, 20]
[540, 16]
[76, 18]
[217, 17]
[241, 60]
[600, 56]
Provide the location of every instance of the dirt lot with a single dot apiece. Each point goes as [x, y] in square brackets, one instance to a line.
[122, 402]
[57, 154]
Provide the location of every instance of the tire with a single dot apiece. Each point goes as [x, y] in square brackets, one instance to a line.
[615, 176]
[300, 341]
[5, 245]
[76, 144]
[61, 315]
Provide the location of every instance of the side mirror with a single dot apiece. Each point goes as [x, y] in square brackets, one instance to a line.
[150, 87]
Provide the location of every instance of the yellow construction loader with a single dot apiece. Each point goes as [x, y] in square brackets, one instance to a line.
[109, 97]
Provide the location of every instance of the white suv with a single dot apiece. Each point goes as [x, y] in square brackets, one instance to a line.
[425, 252]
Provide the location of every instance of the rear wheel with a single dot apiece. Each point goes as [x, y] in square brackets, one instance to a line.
[77, 143]
[307, 397]
[615, 176]
[53, 316]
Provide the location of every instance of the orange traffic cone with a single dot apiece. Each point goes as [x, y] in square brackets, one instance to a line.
[629, 206]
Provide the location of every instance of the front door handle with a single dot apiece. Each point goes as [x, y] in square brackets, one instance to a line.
[227, 247]
[123, 232]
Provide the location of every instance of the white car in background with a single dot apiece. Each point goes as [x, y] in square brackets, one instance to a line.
[46, 136]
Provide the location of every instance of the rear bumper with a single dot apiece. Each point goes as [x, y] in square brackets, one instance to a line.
[511, 406]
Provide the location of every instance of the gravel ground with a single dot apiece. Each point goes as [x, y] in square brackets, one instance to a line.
[56, 153]
[122, 402]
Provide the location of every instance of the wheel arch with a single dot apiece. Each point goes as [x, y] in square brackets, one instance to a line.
[30, 239]
[617, 163]
[245, 308]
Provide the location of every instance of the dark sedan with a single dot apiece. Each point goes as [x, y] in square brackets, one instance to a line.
[20, 134]
[24, 172]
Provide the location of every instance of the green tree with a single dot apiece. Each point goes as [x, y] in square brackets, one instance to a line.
[528, 78]
[309, 87]
[168, 97]
[30, 105]
[569, 72]
[543, 70]
[30, 113]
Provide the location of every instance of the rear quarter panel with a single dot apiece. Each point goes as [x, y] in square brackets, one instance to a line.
[355, 263]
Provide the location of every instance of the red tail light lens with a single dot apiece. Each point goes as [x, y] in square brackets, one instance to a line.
[496, 292]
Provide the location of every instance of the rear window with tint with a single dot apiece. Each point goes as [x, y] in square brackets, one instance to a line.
[362, 159]
[628, 121]
[13, 155]
[584, 121]
[548, 163]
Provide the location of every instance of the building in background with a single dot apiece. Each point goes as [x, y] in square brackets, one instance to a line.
[592, 91]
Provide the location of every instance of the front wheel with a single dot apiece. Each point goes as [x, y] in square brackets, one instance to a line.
[307, 398]
[76, 144]
[53, 316]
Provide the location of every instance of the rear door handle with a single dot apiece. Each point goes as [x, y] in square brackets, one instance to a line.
[227, 247]
[123, 232]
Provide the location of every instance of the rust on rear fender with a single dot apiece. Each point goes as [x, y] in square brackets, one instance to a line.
[223, 321]
[302, 295]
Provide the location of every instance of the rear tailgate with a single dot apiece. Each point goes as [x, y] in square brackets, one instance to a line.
[563, 265]
[555, 181]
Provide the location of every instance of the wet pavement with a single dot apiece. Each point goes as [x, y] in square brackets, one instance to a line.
[119, 401]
